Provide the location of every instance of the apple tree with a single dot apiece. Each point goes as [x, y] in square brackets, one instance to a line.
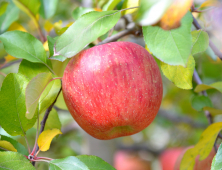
[45, 44]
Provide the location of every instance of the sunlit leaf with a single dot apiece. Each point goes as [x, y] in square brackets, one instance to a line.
[67, 163]
[11, 15]
[12, 104]
[48, 8]
[45, 45]
[150, 12]
[110, 5]
[79, 11]
[200, 41]
[172, 47]
[202, 87]
[45, 138]
[14, 161]
[17, 26]
[87, 29]
[3, 7]
[171, 19]
[217, 161]
[179, 75]
[130, 4]
[202, 148]
[7, 145]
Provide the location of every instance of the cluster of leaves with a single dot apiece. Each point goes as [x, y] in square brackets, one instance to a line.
[26, 95]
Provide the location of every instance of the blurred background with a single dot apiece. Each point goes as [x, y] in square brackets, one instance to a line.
[177, 125]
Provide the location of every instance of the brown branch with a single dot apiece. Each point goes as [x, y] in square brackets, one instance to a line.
[211, 44]
[10, 63]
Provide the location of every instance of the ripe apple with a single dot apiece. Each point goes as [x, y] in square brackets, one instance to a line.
[113, 90]
[169, 157]
[199, 165]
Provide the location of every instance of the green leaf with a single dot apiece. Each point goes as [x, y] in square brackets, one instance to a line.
[14, 161]
[20, 148]
[34, 90]
[59, 67]
[85, 30]
[53, 121]
[48, 8]
[94, 162]
[202, 87]
[211, 53]
[217, 161]
[68, 163]
[12, 104]
[199, 102]
[51, 43]
[150, 12]
[60, 102]
[202, 148]
[23, 45]
[200, 41]
[30, 70]
[110, 5]
[11, 15]
[179, 75]
[172, 47]
[79, 11]
[3, 7]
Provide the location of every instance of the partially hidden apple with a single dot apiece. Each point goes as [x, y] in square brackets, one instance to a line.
[113, 90]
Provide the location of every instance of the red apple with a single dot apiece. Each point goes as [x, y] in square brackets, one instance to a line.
[169, 157]
[113, 90]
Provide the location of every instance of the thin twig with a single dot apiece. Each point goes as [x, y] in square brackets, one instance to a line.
[10, 63]
[211, 44]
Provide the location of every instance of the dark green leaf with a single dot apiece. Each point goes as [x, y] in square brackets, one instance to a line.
[199, 102]
[11, 15]
[20, 148]
[79, 11]
[48, 8]
[68, 163]
[23, 45]
[85, 30]
[172, 47]
[12, 104]
[14, 161]
[95, 163]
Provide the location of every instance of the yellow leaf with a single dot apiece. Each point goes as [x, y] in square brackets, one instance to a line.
[213, 111]
[17, 26]
[148, 49]
[7, 145]
[69, 24]
[45, 45]
[171, 19]
[202, 148]
[202, 87]
[179, 75]
[129, 4]
[48, 26]
[208, 3]
[45, 138]
[98, 9]
[9, 58]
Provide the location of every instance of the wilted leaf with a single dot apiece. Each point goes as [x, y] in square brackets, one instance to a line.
[202, 148]
[48, 8]
[18, 146]
[79, 11]
[110, 5]
[23, 45]
[199, 102]
[202, 87]
[217, 161]
[130, 4]
[171, 19]
[3, 7]
[94, 162]
[172, 47]
[12, 104]
[34, 90]
[11, 15]
[7, 145]
[87, 29]
[200, 41]
[68, 163]
[45, 138]
[14, 161]
[150, 12]
[179, 75]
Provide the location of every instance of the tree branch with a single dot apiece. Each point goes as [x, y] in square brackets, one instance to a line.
[211, 44]
[10, 63]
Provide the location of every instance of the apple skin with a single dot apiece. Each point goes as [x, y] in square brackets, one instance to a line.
[113, 90]
[169, 157]
[199, 165]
